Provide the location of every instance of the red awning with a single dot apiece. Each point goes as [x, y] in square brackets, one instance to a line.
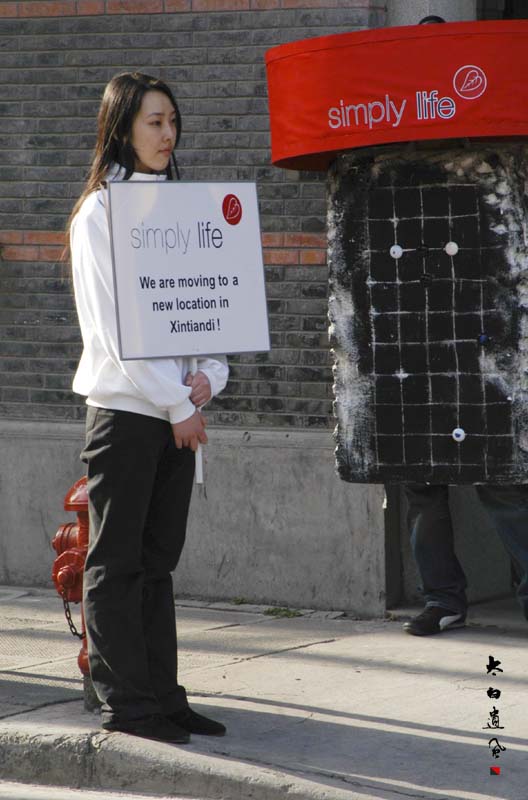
[335, 93]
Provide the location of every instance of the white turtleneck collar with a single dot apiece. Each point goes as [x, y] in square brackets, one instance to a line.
[117, 173]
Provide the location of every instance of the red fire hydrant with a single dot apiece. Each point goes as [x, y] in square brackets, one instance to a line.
[71, 545]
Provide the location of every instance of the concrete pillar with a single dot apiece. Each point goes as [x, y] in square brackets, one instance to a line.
[410, 12]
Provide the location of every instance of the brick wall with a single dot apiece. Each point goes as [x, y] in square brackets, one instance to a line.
[55, 58]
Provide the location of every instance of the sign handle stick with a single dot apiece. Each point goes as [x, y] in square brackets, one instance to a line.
[198, 456]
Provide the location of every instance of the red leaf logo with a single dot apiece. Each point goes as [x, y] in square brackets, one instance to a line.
[470, 82]
[232, 209]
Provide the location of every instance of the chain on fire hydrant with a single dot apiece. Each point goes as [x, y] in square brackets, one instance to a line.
[71, 545]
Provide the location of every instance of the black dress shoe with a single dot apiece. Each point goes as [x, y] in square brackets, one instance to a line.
[192, 722]
[155, 726]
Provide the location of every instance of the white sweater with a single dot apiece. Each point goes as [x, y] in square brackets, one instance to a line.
[153, 387]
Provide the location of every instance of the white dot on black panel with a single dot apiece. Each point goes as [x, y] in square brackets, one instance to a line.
[459, 434]
[396, 251]
[451, 248]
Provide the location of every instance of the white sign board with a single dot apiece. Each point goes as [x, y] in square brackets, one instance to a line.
[188, 271]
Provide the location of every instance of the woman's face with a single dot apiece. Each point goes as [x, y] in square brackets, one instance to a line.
[154, 132]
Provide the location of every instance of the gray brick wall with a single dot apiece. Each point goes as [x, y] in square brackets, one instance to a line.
[52, 72]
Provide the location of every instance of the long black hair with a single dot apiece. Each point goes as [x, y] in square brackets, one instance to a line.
[120, 105]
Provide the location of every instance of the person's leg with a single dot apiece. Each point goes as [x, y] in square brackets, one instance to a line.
[431, 530]
[443, 580]
[508, 508]
[122, 453]
[164, 539]
[163, 543]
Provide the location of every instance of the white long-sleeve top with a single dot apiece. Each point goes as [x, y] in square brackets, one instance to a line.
[153, 387]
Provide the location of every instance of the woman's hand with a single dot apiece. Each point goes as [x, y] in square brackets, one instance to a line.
[190, 432]
[200, 388]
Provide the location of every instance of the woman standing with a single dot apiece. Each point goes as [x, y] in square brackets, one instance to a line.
[142, 427]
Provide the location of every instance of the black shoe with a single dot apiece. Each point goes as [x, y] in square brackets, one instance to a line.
[434, 619]
[192, 722]
[155, 726]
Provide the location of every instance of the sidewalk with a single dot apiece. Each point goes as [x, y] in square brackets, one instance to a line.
[318, 707]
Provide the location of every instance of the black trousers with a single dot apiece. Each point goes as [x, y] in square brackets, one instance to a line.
[432, 540]
[139, 489]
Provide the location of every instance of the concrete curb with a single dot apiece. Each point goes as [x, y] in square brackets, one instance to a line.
[115, 762]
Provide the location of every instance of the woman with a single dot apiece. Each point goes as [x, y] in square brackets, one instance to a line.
[142, 427]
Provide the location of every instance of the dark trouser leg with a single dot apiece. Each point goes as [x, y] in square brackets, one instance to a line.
[135, 542]
[431, 530]
[508, 508]
[168, 512]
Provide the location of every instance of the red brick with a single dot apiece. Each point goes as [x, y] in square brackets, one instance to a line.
[272, 239]
[177, 5]
[45, 237]
[20, 253]
[304, 240]
[313, 257]
[11, 237]
[311, 3]
[220, 5]
[134, 6]
[262, 5]
[281, 257]
[50, 253]
[65, 8]
[8, 9]
[90, 7]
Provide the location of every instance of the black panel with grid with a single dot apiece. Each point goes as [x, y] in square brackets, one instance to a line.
[435, 328]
